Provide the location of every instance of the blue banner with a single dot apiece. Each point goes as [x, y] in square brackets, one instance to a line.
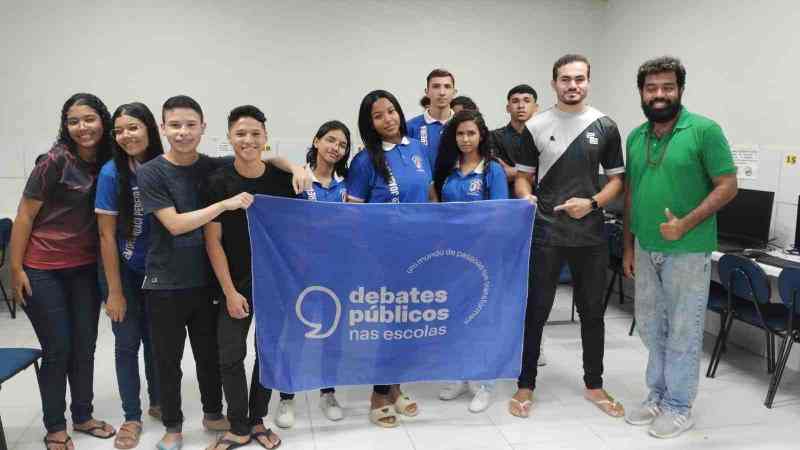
[350, 294]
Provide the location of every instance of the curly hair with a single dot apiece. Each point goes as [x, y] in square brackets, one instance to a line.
[661, 65]
[90, 100]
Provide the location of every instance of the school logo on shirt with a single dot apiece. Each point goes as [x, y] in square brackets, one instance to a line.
[475, 187]
[423, 135]
[592, 138]
[311, 194]
[417, 160]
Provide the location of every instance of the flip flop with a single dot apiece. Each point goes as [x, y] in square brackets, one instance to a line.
[128, 435]
[266, 434]
[524, 408]
[101, 426]
[222, 440]
[402, 404]
[383, 412]
[47, 442]
[608, 405]
[177, 445]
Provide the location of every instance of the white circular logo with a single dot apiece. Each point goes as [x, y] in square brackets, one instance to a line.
[475, 186]
[314, 333]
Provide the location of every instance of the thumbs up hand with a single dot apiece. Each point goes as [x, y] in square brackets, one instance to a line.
[673, 229]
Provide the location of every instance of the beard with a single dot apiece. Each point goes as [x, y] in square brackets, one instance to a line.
[567, 101]
[661, 115]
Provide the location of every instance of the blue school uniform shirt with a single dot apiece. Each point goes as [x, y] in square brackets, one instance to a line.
[335, 192]
[428, 131]
[132, 250]
[410, 170]
[485, 182]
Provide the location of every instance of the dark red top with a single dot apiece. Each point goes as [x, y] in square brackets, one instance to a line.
[64, 232]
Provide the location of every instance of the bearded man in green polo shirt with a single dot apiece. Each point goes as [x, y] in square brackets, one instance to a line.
[680, 173]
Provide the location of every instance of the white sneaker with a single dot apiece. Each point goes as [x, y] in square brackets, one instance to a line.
[645, 414]
[453, 390]
[669, 425]
[330, 407]
[285, 416]
[481, 400]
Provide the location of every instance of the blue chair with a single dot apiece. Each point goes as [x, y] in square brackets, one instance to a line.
[12, 362]
[5, 238]
[747, 299]
[789, 289]
[718, 302]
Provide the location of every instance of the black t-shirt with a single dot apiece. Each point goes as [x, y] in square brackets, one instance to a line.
[226, 182]
[568, 151]
[176, 262]
[509, 146]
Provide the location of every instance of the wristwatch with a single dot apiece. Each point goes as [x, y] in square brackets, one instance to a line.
[595, 205]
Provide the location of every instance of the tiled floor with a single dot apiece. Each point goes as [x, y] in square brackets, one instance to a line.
[729, 411]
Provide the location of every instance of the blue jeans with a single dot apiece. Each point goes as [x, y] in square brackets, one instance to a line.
[670, 308]
[128, 334]
[64, 309]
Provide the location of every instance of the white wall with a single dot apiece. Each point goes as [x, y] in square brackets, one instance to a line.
[303, 62]
[742, 69]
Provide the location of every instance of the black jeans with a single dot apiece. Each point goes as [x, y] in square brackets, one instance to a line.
[588, 268]
[243, 412]
[64, 310]
[171, 313]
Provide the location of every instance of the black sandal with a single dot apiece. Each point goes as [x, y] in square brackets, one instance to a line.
[101, 426]
[230, 443]
[267, 434]
[47, 442]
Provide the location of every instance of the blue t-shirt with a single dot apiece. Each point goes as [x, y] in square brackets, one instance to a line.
[428, 131]
[335, 192]
[134, 249]
[485, 182]
[410, 170]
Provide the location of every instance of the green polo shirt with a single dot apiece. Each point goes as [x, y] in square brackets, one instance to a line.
[677, 175]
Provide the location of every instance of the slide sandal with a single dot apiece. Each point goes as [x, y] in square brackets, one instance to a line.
[384, 412]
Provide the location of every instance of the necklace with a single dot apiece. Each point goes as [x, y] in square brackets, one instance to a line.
[659, 156]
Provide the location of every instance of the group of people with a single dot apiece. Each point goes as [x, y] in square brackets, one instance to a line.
[164, 222]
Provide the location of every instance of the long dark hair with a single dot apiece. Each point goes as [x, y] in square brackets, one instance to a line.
[340, 168]
[370, 136]
[122, 160]
[104, 146]
[448, 147]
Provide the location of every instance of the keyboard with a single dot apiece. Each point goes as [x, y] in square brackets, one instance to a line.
[725, 246]
[778, 262]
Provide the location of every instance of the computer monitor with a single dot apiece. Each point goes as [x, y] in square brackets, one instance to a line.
[746, 219]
